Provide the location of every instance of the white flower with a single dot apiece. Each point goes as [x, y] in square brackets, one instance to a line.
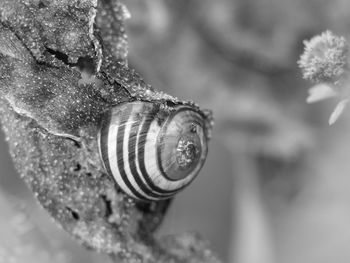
[325, 61]
[325, 58]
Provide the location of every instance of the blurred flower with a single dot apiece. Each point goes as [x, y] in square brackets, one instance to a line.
[325, 61]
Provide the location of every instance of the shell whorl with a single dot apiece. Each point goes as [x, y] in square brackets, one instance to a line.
[152, 152]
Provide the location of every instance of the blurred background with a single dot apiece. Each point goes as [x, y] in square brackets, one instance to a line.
[275, 187]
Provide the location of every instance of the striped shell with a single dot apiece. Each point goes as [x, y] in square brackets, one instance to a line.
[153, 151]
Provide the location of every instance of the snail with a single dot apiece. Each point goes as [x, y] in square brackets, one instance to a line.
[152, 150]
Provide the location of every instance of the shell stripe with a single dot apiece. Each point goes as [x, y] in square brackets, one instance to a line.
[196, 120]
[121, 160]
[152, 166]
[124, 152]
[120, 153]
[111, 145]
[141, 150]
[133, 156]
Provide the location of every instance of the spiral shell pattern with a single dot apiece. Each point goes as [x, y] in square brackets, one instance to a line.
[153, 151]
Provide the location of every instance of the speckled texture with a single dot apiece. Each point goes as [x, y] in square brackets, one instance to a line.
[51, 119]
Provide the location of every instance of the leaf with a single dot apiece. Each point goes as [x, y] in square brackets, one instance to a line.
[320, 92]
[338, 111]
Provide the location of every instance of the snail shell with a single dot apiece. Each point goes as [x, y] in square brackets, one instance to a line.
[151, 150]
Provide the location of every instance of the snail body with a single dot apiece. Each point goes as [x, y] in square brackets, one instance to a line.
[153, 151]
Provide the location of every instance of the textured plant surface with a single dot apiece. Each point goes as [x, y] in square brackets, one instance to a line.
[63, 64]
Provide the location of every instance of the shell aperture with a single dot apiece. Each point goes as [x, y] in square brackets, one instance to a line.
[151, 150]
